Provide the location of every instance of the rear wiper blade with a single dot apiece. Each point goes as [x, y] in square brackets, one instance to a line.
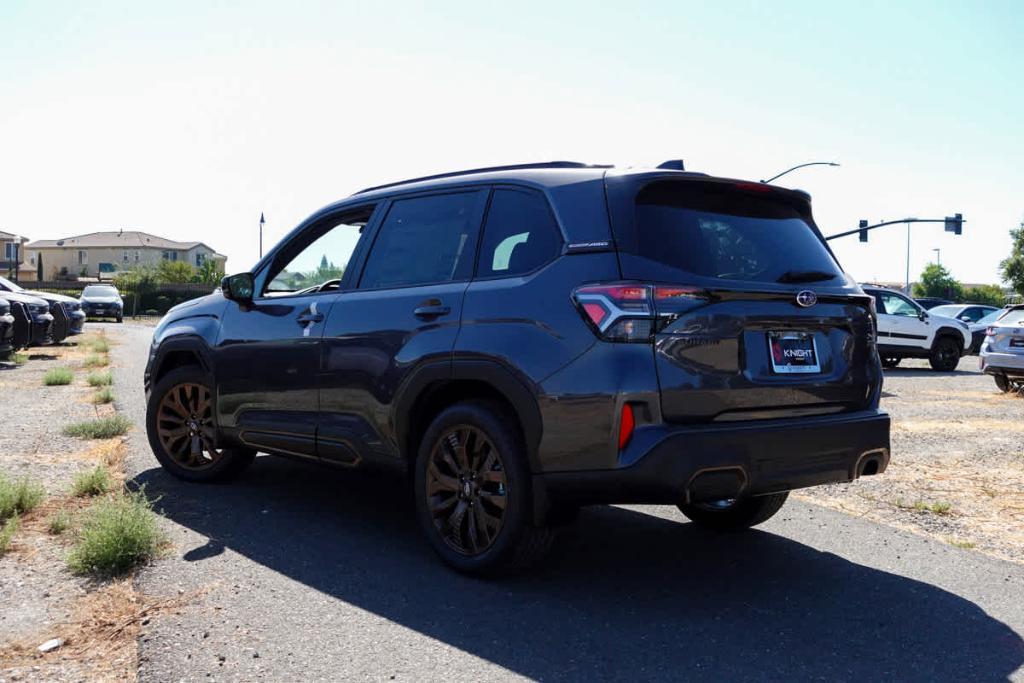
[806, 276]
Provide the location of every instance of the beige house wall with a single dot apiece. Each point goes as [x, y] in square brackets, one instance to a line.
[57, 258]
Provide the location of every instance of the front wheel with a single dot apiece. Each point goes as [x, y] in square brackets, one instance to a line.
[945, 355]
[182, 432]
[734, 515]
[473, 491]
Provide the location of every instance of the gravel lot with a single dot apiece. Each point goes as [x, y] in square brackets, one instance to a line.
[957, 441]
[301, 573]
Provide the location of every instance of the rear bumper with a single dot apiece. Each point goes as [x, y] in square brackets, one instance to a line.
[1011, 364]
[690, 464]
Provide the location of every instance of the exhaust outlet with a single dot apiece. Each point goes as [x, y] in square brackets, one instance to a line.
[872, 462]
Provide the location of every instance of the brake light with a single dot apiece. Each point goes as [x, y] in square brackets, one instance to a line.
[633, 312]
[626, 425]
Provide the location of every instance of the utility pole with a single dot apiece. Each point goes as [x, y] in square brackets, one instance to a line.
[938, 255]
[261, 233]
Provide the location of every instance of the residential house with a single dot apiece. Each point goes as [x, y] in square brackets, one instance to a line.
[12, 255]
[101, 254]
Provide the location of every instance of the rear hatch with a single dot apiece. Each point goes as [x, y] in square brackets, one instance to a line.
[754, 317]
[1006, 335]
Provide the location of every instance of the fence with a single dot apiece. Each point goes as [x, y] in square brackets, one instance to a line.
[151, 300]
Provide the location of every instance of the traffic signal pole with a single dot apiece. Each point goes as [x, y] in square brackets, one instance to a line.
[954, 224]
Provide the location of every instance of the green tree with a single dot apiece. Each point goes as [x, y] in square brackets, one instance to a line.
[210, 272]
[985, 294]
[134, 285]
[937, 281]
[175, 272]
[1012, 267]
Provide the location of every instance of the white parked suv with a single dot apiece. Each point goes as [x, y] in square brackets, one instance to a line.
[906, 330]
[1002, 352]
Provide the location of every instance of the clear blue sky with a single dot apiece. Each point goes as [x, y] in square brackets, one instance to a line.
[187, 119]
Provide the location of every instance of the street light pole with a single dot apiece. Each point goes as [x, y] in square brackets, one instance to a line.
[938, 256]
[906, 288]
[812, 163]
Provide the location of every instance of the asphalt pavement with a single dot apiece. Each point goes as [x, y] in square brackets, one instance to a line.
[306, 573]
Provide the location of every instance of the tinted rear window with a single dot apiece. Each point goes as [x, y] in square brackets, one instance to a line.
[719, 231]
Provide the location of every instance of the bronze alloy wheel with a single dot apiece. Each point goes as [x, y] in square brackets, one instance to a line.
[185, 426]
[467, 489]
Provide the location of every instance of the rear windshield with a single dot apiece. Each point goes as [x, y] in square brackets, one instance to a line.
[720, 231]
[99, 290]
[1012, 317]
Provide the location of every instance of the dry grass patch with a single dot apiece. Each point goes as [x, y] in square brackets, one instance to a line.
[58, 377]
[118, 534]
[100, 379]
[101, 428]
[92, 482]
[19, 497]
[96, 360]
[103, 396]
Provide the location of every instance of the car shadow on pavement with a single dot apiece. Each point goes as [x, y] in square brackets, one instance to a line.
[626, 594]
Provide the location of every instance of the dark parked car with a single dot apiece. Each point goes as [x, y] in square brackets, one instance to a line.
[6, 329]
[102, 301]
[68, 319]
[33, 323]
[930, 302]
[526, 340]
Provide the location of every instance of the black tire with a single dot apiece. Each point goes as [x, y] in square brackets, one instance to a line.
[229, 461]
[740, 514]
[518, 544]
[120, 319]
[890, 362]
[945, 355]
[1003, 383]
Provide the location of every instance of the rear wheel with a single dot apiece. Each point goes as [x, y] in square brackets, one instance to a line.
[182, 432]
[890, 361]
[945, 355]
[473, 492]
[734, 514]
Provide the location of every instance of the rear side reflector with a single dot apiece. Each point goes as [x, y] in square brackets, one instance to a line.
[630, 312]
[626, 425]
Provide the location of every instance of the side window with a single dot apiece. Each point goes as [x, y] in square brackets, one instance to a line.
[317, 259]
[425, 240]
[973, 314]
[879, 302]
[520, 234]
[897, 305]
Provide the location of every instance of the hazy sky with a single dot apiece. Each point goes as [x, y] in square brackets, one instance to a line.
[187, 119]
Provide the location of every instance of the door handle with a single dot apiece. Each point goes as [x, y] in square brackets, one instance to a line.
[310, 317]
[432, 308]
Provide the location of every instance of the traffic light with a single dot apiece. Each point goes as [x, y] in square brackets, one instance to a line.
[955, 224]
[863, 235]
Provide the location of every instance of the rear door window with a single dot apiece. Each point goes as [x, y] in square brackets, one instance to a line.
[520, 234]
[719, 231]
[425, 240]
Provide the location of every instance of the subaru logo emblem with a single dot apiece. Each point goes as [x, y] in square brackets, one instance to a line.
[806, 298]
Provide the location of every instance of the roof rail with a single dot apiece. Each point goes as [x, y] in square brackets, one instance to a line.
[488, 169]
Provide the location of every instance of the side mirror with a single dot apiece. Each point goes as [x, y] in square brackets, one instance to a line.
[922, 315]
[966, 318]
[238, 287]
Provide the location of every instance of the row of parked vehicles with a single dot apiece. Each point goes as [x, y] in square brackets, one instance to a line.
[34, 318]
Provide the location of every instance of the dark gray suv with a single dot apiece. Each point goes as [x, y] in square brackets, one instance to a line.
[526, 340]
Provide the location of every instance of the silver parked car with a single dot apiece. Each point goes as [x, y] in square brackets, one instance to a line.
[1002, 352]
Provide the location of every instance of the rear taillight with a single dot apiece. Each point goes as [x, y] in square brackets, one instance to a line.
[633, 312]
[626, 425]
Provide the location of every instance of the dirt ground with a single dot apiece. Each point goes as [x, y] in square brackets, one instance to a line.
[957, 469]
[98, 622]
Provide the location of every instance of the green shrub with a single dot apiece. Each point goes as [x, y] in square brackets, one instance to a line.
[103, 428]
[58, 377]
[59, 523]
[19, 358]
[7, 533]
[92, 482]
[19, 497]
[99, 379]
[96, 360]
[117, 534]
[104, 395]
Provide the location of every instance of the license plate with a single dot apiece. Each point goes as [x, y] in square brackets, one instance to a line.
[793, 352]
